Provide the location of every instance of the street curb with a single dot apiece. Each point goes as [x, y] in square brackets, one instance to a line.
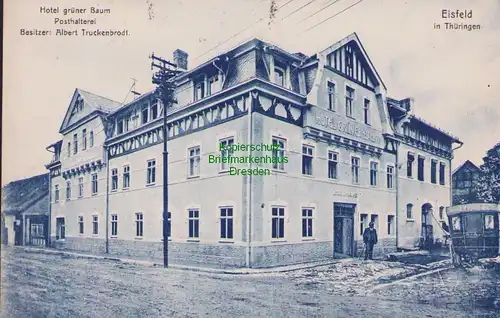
[186, 267]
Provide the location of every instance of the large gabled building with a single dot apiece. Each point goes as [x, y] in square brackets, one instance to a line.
[346, 143]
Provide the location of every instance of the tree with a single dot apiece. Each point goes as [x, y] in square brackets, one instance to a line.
[487, 186]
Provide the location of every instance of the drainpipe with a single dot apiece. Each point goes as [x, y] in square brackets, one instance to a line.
[450, 172]
[397, 196]
[107, 198]
[249, 188]
[47, 242]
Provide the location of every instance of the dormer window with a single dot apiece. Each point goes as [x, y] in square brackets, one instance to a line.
[199, 89]
[119, 127]
[213, 85]
[154, 110]
[279, 76]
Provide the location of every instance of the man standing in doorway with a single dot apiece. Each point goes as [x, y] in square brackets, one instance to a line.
[370, 239]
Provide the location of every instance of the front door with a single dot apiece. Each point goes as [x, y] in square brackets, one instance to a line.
[343, 229]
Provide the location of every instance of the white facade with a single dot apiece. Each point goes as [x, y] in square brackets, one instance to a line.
[330, 113]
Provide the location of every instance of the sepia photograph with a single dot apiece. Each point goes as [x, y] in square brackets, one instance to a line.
[253, 158]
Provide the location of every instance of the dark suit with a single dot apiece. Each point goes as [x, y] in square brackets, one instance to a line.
[370, 239]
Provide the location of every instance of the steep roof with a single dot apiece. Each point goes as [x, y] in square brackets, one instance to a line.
[26, 195]
[93, 103]
[467, 163]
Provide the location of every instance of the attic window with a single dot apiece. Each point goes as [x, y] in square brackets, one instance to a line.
[279, 76]
[349, 57]
[79, 104]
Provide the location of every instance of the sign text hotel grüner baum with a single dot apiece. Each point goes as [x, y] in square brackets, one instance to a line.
[355, 156]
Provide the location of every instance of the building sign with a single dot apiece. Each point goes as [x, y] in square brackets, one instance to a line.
[353, 195]
[335, 124]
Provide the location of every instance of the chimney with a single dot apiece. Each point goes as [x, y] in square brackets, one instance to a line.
[181, 59]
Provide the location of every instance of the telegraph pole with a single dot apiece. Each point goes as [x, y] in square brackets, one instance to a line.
[165, 88]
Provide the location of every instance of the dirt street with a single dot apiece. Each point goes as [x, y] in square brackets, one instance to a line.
[40, 285]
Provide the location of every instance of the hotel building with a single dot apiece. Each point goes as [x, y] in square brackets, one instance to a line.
[354, 156]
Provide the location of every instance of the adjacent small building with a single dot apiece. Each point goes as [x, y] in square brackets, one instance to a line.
[354, 156]
[25, 211]
[463, 179]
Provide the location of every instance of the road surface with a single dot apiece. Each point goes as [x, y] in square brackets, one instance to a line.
[41, 285]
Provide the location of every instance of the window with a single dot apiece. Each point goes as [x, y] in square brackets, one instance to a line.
[114, 225]
[421, 161]
[194, 223]
[69, 149]
[120, 126]
[489, 222]
[441, 212]
[154, 110]
[226, 223]
[333, 162]
[68, 190]
[390, 177]
[145, 114]
[56, 193]
[409, 211]
[126, 124]
[75, 143]
[355, 169]
[409, 165]
[60, 229]
[37, 229]
[349, 57]
[349, 102]
[80, 187]
[199, 90]
[80, 225]
[279, 76]
[433, 171]
[456, 223]
[307, 157]
[278, 222]
[114, 179]
[374, 219]
[91, 139]
[225, 151]
[94, 184]
[279, 154]
[442, 173]
[332, 97]
[307, 222]
[194, 161]
[139, 225]
[169, 224]
[373, 173]
[366, 110]
[363, 223]
[95, 224]
[84, 139]
[126, 177]
[212, 84]
[151, 177]
[390, 224]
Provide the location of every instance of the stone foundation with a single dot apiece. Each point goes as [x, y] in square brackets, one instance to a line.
[218, 255]
[383, 247]
[287, 254]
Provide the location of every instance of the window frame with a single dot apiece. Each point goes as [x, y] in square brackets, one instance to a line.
[151, 172]
[139, 225]
[349, 101]
[114, 225]
[279, 166]
[332, 95]
[229, 140]
[95, 224]
[193, 224]
[331, 161]
[94, 184]
[355, 177]
[126, 177]
[280, 223]
[367, 111]
[374, 173]
[310, 158]
[224, 221]
[194, 161]
[114, 179]
[307, 222]
[390, 173]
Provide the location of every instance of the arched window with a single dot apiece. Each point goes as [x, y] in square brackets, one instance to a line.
[409, 212]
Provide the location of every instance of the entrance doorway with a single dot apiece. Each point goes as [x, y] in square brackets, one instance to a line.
[343, 229]
[427, 236]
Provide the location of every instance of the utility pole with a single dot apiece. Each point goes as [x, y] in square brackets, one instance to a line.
[162, 78]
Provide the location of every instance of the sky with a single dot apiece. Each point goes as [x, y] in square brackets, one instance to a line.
[453, 75]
